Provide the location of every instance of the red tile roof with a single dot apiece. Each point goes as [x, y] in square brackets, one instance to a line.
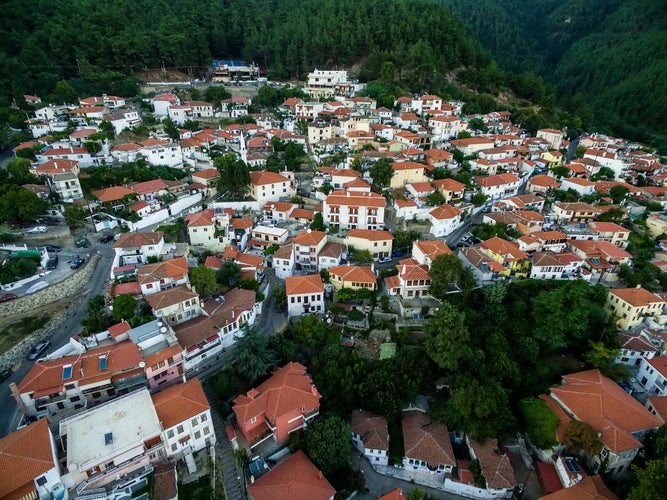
[192, 332]
[294, 479]
[637, 297]
[445, 212]
[297, 285]
[25, 454]
[424, 439]
[288, 389]
[113, 193]
[372, 428]
[174, 268]
[259, 178]
[358, 274]
[134, 240]
[356, 199]
[496, 466]
[369, 234]
[170, 297]
[180, 402]
[606, 407]
[396, 494]
[589, 488]
[51, 167]
[310, 237]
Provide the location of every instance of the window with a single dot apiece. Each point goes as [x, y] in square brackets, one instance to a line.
[197, 435]
[170, 433]
[204, 418]
[174, 447]
[253, 420]
[194, 421]
[206, 431]
[179, 429]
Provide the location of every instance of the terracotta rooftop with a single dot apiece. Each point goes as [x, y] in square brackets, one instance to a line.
[424, 439]
[129, 288]
[372, 428]
[203, 218]
[542, 259]
[164, 481]
[589, 488]
[170, 297]
[278, 206]
[635, 342]
[119, 329]
[309, 237]
[51, 167]
[288, 389]
[180, 402]
[369, 234]
[659, 404]
[113, 193]
[360, 274]
[236, 302]
[396, 494]
[445, 212]
[449, 185]
[25, 455]
[333, 250]
[133, 240]
[407, 165]
[636, 297]
[496, 466]
[432, 248]
[356, 198]
[302, 213]
[260, 178]
[297, 285]
[504, 248]
[192, 332]
[207, 173]
[48, 377]
[606, 407]
[294, 479]
[174, 268]
[496, 180]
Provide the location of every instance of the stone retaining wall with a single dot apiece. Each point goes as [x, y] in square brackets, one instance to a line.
[66, 288]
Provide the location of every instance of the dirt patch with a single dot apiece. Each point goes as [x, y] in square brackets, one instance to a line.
[158, 75]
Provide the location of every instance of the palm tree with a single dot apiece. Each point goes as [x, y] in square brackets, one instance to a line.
[253, 357]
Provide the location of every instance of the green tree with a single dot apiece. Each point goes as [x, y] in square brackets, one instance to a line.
[312, 332]
[385, 389]
[651, 481]
[579, 436]
[382, 172]
[273, 163]
[539, 421]
[604, 358]
[124, 306]
[215, 94]
[108, 129]
[171, 128]
[234, 175]
[656, 443]
[479, 407]
[448, 339]
[19, 205]
[19, 171]
[363, 256]
[328, 444]
[318, 222]
[253, 356]
[280, 296]
[203, 280]
[560, 171]
[92, 147]
[229, 273]
[435, 199]
[618, 192]
[478, 199]
[445, 272]
[75, 216]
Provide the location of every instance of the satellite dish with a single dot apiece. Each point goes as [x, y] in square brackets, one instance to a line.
[163, 329]
[72, 467]
[141, 364]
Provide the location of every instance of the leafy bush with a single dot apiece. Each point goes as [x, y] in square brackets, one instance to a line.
[539, 421]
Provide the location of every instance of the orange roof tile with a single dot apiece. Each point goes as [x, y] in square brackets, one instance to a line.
[51, 167]
[606, 407]
[302, 213]
[297, 285]
[113, 193]
[496, 180]
[208, 173]
[294, 479]
[426, 440]
[358, 274]
[444, 212]
[449, 185]
[174, 268]
[133, 240]
[180, 402]
[589, 488]
[119, 329]
[25, 454]
[310, 237]
[170, 297]
[502, 247]
[372, 428]
[370, 234]
[289, 388]
[356, 199]
[260, 178]
[203, 218]
[396, 494]
[496, 466]
[192, 332]
[407, 165]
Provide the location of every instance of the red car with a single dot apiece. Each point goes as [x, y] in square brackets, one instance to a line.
[6, 297]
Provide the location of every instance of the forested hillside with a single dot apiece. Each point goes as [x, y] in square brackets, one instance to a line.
[606, 59]
[45, 42]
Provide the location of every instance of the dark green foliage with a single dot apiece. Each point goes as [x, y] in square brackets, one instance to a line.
[327, 441]
[19, 205]
[234, 175]
[229, 273]
[318, 222]
[381, 172]
[253, 357]
[539, 421]
[651, 481]
[124, 306]
[17, 269]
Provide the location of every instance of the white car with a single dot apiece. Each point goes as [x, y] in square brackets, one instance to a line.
[38, 229]
[384, 260]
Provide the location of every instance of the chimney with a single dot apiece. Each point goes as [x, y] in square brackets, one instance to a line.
[319, 475]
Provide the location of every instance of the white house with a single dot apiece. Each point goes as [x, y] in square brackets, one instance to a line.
[370, 435]
[159, 152]
[135, 248]
[284, 261]
[305, 295]
[270, 186]
[652, 375]
[159, 276]
[499, 185]
[185, 416]
[175, 305]
[546, 266]
[444, 219]
[354, 210]
[428, 449]
[307, 246]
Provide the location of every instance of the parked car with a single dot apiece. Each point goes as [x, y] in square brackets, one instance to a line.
[397, 254]
[38, 350]
[51, 248]
[37, 229]
[52, 263]
[5, 374]
[106, 238]
[384, 260]
[6, 297]
[77, 263]
[82, 243]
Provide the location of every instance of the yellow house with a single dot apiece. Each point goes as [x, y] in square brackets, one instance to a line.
[354, 277]
[656, 224]
[378, 243]
[508, 254]
[407, 172]
[633, 305]
[553, 158]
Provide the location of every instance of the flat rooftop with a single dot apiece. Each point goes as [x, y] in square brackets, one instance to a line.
[115, 430]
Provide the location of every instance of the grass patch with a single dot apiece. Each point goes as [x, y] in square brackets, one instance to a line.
[20, 329]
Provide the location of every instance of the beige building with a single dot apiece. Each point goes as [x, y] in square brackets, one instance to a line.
[378, 243]
[657, 224]
[407, 172]
[354, 277]
[633, 305]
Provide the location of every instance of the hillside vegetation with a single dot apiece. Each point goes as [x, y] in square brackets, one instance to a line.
[605, 59]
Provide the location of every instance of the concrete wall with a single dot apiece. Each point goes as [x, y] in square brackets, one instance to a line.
[66, 288]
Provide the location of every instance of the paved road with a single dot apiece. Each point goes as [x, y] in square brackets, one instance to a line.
[77, 311]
